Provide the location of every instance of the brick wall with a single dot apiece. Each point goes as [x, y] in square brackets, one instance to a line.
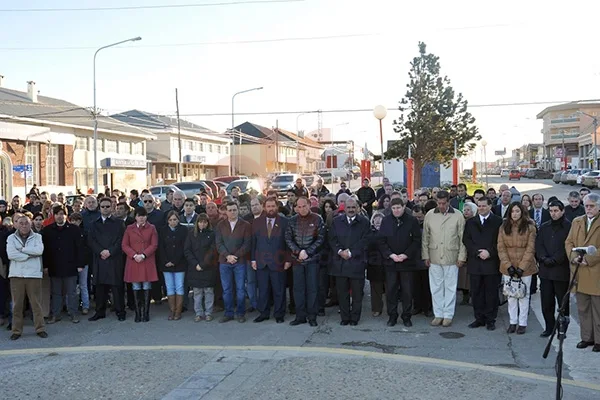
[67, 169]
[16, 152]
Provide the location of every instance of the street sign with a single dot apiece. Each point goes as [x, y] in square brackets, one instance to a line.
[23, 168]
[500, 152]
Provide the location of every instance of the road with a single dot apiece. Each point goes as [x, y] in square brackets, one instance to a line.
[532, 186]
[208, 360]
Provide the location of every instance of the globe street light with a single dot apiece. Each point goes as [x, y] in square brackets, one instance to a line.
[135, 39]
[232, 170]
[484, 143]
[380, 112]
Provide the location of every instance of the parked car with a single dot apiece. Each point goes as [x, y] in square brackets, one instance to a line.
[540, 174]
[504, 173]
[310, 180]
[571, 176]
[583, 172]
[245, 185]
[160, 191]
[282, 183]
[328, 178]
[229, 179]
[563, 177]
[556, 178]
[192, 188]
[591, 179]
[514, 174]
[531, 172]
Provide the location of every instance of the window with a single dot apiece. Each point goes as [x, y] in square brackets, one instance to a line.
[81, 143]
[52, 165]
[32, 159]
[210, 148]
[174, 143]
[218, 148]
[201, 148]
[187, 145]
[110, 146]
[226, 149]
[124, 147]
[137, 148]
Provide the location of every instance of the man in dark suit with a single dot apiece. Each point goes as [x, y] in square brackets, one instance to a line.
[270, 259]
[233, 238]
[461, 194]
[502, 206]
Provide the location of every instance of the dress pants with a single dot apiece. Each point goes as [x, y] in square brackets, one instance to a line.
[442, 281]
[484, 293]
[552, 293]
[518, 309]
[393, 280]
[118, 299]
[377, 290]
[271, 284]
[68, 287]
[306, 288]
[588, 308]
[350, 311]
[32, 288]
[422, 292]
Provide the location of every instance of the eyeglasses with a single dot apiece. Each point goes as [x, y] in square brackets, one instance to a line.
[105, 206]
[148, 201]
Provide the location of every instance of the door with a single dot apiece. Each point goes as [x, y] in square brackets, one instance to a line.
[5, 177]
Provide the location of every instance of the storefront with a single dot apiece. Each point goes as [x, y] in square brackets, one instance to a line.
[124, 174]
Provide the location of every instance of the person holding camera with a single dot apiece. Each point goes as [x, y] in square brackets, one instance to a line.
[516, 250]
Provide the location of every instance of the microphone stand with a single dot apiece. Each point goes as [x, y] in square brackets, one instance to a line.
[561, 326]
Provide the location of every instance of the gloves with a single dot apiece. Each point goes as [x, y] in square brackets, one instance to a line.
[512, 271]
[549, 261]
[519, 272]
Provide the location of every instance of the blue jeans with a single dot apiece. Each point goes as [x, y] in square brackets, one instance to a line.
[306, 288]
[83, 288]
[231, 273]
[174, 283]
[140, 285]
[251, 285]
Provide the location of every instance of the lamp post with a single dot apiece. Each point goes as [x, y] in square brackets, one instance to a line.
[233, 129]
[380, 112]
[595, 121]
[135, 39]
[484, 143]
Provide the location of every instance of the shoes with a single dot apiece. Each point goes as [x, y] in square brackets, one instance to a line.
[376, 314]
[313, 323]
[546, 333]
[330, 303]
[416, 311]
[209, 318]
[436, 321]
[392, 321]
[344, 323]
[476, 324]
[9, 327]
[446, 322]
[74, 319]
[14, 336]
[42, 334]
[241, 319]
[407, 323]
[466, 299]
[260, 318]
[596, 348]
[583, 344]
[512, 328]
[490, 326]
[96, 317]
[352, 323]
[321, 313]
[121, 317]
[279, 320]
[521, 329]
[251, 309]
[85, 311]
[52, 320]
[225, 318]
[429, 314]
[297, 322]
[198, 318]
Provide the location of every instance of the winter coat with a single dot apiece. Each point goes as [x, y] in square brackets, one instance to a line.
[107, 235]
[88, 218]
[64, 251]
[355, 237]
[482, 237]
[572, 213]
[517, 250]
[375, 266]
[201, 250]
[171, 249]
[588, 277]
[442, 237]
[158, 219]
[140, 240]
[550, 250]
[366, 195]
[305, 233]
[400, 236]
[25, 259]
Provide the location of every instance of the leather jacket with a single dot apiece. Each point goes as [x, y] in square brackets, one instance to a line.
[305, 233]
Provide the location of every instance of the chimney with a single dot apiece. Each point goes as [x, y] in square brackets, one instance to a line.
[1, 80]
[31, 91]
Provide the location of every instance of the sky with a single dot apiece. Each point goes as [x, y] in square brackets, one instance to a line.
[308, 55]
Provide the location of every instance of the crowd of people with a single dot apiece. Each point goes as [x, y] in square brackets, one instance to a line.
[245, 253]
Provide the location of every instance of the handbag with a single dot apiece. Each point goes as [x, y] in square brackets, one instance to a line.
[515, 288]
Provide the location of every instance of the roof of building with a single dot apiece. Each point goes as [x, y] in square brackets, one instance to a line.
[277, 134]
[569, 106]
[16, 105]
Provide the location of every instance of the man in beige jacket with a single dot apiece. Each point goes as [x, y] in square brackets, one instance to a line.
[443, 252]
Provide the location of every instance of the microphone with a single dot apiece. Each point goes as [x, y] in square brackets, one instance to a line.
[591, 250]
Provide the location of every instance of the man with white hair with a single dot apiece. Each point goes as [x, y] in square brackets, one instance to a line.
[501, 208]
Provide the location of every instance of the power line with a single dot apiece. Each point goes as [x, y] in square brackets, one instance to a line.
[217, 43]
[150, 7]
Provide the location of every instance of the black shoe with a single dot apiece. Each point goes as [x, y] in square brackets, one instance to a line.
[596, 348]
[490, 326]
[407, 323]
[14, 336]
[260, 318]
[344, 323]
[313, 323]
[9, 327]
[96, 317]
[251, 309]
[352, 323]
[416, 311]
[330, 303]
[546, 333]
[521, 330]
[512, 328]
[321, 313]
[297, 322]
[476, 324]
[279, 320]
[146, 306]
[583, 344]
[392, 321]
[429, 314]
[121, 317]
[42, 334]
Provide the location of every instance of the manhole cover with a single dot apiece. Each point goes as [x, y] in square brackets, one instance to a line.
[451, 335]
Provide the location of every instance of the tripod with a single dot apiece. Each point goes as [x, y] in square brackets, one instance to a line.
[560, 327]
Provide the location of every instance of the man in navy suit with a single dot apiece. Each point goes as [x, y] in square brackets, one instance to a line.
[538, 213]
[270, 259]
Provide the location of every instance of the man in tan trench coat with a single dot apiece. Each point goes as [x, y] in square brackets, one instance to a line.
[585, 231]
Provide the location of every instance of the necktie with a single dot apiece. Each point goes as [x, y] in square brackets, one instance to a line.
[538, 218]
[269, 227]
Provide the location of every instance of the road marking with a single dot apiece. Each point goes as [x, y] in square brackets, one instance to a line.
[307, 351]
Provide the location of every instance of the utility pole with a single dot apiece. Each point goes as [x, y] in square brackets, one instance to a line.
[180, 163]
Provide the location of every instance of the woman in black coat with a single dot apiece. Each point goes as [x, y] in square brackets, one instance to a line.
[375, 268]
[172, 262]
[202, 259]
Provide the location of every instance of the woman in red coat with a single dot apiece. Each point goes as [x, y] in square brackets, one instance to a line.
[139, 244]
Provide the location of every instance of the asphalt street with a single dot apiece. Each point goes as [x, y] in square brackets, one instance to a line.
[188, 360]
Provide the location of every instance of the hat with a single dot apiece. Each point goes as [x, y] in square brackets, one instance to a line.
[3, 203]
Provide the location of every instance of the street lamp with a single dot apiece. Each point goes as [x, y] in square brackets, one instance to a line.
[380, 112]
[135, 39]
[484, 143]
[233, 129]
[595, 120]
